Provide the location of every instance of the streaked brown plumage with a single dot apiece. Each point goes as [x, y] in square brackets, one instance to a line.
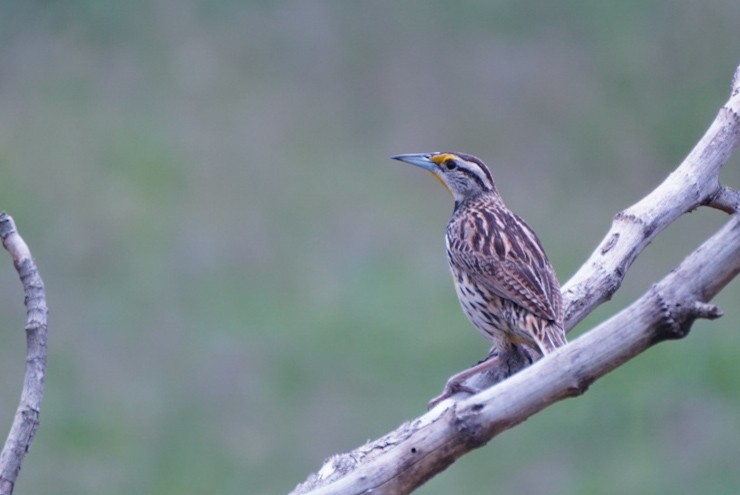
[503, 278]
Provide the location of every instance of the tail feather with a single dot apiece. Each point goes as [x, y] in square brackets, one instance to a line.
[553, 337]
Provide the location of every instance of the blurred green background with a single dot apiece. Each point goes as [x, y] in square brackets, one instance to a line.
[242, 283]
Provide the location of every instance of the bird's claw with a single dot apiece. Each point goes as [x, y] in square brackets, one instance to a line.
[452, 387]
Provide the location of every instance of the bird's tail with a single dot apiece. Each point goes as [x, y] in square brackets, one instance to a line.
[553, 337]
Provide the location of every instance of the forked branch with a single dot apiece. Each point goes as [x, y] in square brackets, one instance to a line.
[26, 419]
[405, 458]
[693, 184]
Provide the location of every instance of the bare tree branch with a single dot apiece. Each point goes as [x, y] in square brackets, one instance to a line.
[694, 183]
[726, 199]
[405, 458]
[26, 419]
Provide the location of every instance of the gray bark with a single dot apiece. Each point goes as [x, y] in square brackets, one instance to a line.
[26, 420]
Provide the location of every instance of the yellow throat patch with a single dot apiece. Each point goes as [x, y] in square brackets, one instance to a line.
[439, 160]
[441, 182]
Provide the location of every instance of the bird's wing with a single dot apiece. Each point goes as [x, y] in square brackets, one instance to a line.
[510, 262]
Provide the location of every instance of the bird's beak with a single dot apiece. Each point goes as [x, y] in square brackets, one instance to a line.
[422, 160]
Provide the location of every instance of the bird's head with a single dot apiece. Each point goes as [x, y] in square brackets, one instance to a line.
[465, 176]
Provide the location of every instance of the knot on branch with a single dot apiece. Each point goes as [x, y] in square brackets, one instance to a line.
[627, 217]
[469, 429]
[676, 318]
[669, 327]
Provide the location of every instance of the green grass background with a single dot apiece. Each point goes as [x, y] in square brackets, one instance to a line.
[242, 283]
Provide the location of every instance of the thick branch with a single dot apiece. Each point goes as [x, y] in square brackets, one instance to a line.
[404, 459]
[26, 419]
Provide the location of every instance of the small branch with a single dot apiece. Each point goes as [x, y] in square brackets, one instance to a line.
[706, 311]
[407, 457]
[26, 419]
[726, 199]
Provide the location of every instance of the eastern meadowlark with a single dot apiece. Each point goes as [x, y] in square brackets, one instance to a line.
[503, 278]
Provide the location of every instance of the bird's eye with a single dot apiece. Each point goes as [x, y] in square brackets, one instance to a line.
[450, 164]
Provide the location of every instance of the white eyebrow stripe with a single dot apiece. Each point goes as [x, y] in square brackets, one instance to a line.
[478, 171]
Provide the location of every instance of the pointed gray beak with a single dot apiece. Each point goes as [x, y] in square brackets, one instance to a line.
[419, 159]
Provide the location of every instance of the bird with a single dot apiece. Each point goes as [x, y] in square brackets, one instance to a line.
[503, 278]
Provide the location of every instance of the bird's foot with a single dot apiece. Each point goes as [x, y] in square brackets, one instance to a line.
[457, 384]
[452, 387]
[499, 365]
